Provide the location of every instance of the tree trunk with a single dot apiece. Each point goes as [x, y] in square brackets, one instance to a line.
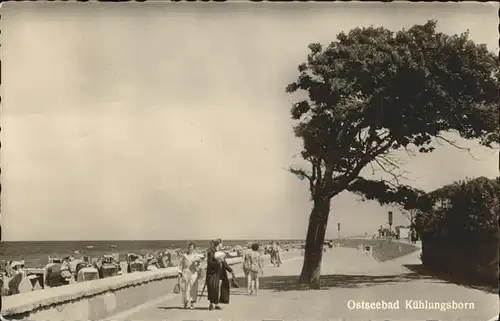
[311, 269]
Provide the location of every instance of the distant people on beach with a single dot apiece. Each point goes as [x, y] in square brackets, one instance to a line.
[169, 259]
[246, 265]
[256, 265]
[217, 280]
[66, 276]
[189, 275]
[17, 273]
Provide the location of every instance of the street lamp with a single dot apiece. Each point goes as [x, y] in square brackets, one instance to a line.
[338, 234]
[390, 226]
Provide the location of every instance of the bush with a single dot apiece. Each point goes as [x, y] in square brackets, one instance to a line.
[460, 235]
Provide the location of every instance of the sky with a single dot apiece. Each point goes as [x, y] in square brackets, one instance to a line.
[171, 121]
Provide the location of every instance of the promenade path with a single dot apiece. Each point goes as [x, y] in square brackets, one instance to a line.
[348, 274]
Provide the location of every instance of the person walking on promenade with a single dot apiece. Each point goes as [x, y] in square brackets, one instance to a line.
[189, 274]
[256, 269]
[217, 280]
[270, 249]
[275, 250]
[278, 251]
[246, 266]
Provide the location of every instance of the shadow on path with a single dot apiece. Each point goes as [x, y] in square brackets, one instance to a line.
[290, 282]
[420, 269]
[182, 309]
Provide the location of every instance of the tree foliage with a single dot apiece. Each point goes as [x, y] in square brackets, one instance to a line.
[373, 91]
[461, 208]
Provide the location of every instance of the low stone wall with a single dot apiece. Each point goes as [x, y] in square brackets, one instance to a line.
[93, 300]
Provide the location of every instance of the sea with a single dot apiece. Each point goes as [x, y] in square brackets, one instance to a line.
[36, 253]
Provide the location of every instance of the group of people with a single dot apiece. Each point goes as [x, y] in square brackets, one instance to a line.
[217, 281]
[385, 232]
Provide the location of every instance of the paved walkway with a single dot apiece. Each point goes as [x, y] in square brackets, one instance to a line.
[349, 276]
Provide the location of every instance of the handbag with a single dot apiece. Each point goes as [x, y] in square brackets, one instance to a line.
[177, 289]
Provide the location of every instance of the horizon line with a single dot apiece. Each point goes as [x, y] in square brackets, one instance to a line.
[163, 240]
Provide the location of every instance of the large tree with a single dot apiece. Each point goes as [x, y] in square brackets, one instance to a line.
[373, 92]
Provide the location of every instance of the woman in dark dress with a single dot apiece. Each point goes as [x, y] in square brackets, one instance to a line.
[217, 279]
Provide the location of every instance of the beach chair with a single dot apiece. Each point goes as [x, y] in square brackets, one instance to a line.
[109, 266]
[36, 282]
[4, 291]
[174, 259]
[108, 269]
[152, 265]
[87, 273]
[53, 276]
[135, 263]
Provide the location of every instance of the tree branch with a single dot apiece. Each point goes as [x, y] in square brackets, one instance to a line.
[315, 178]
[342, 181]
[301, 172]
[385, 192]
[383, 161]
[394, 176]
[454, 144]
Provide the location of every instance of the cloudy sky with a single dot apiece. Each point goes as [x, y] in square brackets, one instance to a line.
[165, 121]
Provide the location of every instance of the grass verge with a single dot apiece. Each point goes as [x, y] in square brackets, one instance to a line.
[383, 250]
